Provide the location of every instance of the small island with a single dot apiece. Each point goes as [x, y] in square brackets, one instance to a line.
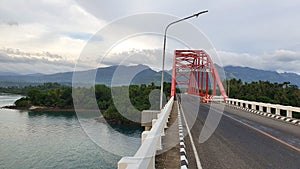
[55, 97]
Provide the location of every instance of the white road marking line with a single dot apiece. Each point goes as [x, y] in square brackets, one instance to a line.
[260, 131]
[199, 166]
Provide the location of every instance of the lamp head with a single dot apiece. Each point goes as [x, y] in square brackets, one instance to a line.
[202, 12]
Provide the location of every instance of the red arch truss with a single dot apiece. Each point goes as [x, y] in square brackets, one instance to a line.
[193, 68]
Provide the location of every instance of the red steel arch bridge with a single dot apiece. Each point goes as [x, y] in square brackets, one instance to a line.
[195, 70]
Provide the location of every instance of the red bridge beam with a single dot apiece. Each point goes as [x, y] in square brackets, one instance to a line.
[193, 68]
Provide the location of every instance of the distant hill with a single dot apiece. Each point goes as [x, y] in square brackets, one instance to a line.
[143, 75]
[8, 74]
[249, 74]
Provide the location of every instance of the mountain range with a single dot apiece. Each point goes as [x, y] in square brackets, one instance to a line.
[247, 74]
[141, 74]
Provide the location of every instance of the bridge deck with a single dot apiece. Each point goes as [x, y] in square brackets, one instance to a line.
[241, 140]
[169, 157]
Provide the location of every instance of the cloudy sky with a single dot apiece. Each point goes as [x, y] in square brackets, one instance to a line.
[48, 36]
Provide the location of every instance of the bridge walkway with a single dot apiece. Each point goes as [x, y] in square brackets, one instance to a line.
[169, 156]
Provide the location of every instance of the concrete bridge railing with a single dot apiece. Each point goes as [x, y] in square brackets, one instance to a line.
[265, 107]
[144, 158]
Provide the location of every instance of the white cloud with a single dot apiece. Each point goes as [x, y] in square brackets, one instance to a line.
[15, 60]
[149, 57]
[279, 60]
[285, 56]
[246, 33]
[246, 26]
[60, 27]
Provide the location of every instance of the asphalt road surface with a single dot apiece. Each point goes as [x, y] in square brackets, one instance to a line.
[240, 140]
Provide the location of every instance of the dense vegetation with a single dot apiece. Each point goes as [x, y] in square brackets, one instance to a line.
[264, 91]
[114, 102]
[24, 90]
[47, 94]
[54, 95]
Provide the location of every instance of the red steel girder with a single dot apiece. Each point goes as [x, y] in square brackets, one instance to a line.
[193, 69]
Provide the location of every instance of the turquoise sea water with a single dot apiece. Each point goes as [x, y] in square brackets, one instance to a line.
[52, 140]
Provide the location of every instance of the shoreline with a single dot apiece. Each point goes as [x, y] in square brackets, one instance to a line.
[45, 109]
[71, 110]
[50, 109]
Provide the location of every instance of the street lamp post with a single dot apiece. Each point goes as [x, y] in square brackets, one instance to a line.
[164, 53]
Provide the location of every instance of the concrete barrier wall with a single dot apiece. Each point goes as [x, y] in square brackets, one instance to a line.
[264, 107]
[151, 141]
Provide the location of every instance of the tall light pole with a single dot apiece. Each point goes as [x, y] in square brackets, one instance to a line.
[164, 53]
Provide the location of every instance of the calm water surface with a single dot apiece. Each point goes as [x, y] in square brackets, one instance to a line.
[51, 140]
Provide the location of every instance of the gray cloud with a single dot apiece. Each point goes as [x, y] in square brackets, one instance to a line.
[11, 23]
[247, 33]
[151, 58]
[25, 68]
[244, 26]
[16, 56]
[18, 61]
[279, 60]
[18, 52]
[285, 56]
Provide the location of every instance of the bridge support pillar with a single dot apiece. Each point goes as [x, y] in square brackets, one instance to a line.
[268, 109]
[261, 108]
[148, 128]
[277, 111]
[144, 135]
[289, 113]
[253, 106]
[147, 117]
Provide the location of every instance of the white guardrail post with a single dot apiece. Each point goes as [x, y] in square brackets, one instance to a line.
[289, 109]
[144, 158]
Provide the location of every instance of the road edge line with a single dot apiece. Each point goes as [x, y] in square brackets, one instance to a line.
[199, 166]
[262, 132]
